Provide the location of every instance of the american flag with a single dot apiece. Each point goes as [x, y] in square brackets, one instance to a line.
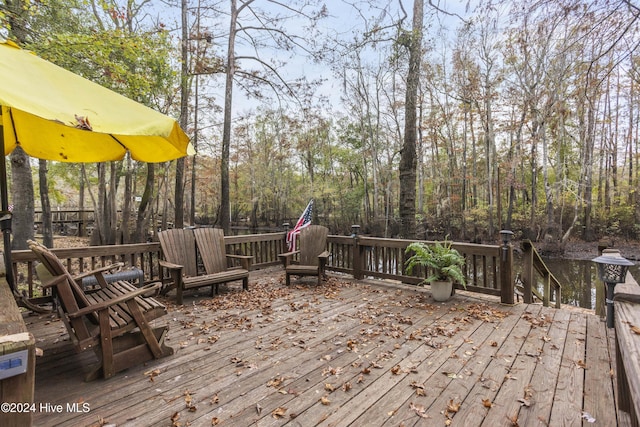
[304, 221]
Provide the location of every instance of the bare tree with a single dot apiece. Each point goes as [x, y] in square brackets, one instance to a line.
[408, 161]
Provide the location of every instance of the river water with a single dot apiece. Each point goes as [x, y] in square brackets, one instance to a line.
[579, 279]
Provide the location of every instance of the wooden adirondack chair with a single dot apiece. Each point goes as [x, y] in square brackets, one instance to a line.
[112, 320]
[312, 254]
[179, 249]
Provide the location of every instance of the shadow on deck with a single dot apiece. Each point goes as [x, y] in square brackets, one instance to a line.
[346, 353]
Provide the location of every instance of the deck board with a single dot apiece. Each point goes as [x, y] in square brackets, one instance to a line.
[378, 355]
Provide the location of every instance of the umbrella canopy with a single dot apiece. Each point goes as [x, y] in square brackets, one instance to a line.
[54, 114]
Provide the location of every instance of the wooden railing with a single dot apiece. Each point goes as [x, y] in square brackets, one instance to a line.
[488, 268]
[533, 263]
[626, 320]
[68, 221]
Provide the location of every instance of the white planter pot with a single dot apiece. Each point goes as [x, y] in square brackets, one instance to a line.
[441, 291]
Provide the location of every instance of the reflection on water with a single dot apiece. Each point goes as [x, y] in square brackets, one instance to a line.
[579, 279]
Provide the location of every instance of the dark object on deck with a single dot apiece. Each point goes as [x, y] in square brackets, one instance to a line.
[313, 254]
[180, 258]
[104, 320]
[133, 275]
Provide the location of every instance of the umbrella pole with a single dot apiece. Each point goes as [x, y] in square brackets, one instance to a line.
[5, 223]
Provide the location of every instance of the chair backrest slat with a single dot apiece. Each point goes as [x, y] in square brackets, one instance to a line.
[210, 243]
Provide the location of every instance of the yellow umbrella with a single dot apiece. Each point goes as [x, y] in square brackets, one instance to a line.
[54, 114]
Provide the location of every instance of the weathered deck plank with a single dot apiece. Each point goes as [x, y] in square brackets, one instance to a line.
[567, 405]
[379, 355]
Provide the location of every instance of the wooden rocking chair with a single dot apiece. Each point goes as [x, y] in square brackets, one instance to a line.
[112, 320]
[312, 254]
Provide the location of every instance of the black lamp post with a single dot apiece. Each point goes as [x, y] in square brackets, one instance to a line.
[612, 269]
[506, 236]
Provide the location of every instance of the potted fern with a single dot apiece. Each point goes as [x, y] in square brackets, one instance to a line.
[443, 266]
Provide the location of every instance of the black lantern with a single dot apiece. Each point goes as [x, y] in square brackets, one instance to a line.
[286, 226]
[612, 269]
[506, 236]
[355, 228]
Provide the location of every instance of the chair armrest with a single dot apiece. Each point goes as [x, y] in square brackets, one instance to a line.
[286, 257]
[245, 260]
[170, 266]
[111, 302]
[324, 255]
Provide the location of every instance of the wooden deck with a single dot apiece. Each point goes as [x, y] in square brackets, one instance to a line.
[346, 353]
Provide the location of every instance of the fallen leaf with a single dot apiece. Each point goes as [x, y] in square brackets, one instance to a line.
[215, 421]
[275, 382]
[279, 412]
[328, 387]
[174, 419]
[588, 418]
[324, 400]
[453, 406]
[418, 409]
[513, 420]
[635, 329]
[419, 388]
[524, 402]
[487, 403]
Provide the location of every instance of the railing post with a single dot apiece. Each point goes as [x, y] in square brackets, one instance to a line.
[507, 284]
[527, 272]
[546, 297]
[358, 254]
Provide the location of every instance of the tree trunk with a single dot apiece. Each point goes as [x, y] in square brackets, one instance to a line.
[225, 201]
[47, 226]
[143, 217]
[408, 160]
[22, 197]
[128, 198]
[184, 120]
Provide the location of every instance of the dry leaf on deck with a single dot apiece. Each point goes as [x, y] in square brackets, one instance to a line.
[174, 419]
[453, 406]
[487, 403]
[279, 412]
[588, 417]
[514, 421]
[635, 329]
[275, 382]
[324, 400]
[419, 410]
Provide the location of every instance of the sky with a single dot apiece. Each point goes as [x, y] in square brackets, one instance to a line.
[343, 21]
